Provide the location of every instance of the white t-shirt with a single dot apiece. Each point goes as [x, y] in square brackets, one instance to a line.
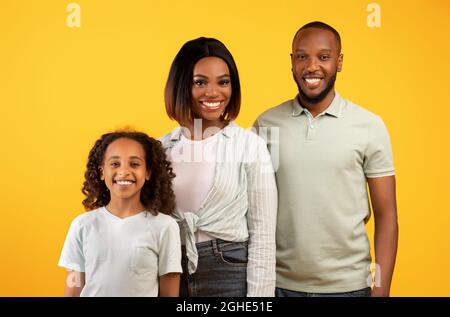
[194, 164]
[122, 257]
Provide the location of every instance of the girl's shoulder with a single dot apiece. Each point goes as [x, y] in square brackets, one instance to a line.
[161, 219]
[161, 223]
[86, 218]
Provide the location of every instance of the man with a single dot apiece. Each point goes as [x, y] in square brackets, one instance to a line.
[329, 150]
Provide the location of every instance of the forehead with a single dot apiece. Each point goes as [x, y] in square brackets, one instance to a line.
[211, 64]
[314, 38]
[125, 147]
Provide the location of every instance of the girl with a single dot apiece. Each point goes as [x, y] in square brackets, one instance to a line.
[128, 239]
[226, 197]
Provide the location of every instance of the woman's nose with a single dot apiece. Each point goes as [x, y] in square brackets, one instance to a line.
[211, 91]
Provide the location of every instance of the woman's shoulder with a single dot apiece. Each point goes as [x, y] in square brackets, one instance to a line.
[240, 134]
[167, 138]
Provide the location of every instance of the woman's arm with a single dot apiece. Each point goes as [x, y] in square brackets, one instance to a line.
[74, 284]
[261, 219]
[169, 285]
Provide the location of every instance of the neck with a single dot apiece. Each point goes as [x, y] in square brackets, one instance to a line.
[201, 129]
[123, 208]
[319, 107]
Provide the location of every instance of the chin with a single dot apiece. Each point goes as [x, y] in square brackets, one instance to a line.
[211, 117]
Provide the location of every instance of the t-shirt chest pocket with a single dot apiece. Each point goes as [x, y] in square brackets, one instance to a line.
[144, 260]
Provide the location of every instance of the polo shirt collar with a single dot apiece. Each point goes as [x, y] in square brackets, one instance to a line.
[334, 109]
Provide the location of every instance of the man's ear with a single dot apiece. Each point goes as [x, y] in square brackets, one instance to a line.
[340, 60]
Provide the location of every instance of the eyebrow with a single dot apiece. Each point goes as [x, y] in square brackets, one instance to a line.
[203, 76]
[320, 50]
[131, 157]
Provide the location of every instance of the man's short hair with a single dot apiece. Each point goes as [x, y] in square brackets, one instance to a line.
[320, 25]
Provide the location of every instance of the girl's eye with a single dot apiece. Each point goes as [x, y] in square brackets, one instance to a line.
[114, 164]
[135, 164]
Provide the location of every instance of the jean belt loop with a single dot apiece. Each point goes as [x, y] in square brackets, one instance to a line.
[214, 246]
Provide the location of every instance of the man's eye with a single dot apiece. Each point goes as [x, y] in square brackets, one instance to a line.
[300, 56]
[324, 57]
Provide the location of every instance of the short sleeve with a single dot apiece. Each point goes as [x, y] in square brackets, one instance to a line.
[72, 256]
[378, 160]
[169, 260]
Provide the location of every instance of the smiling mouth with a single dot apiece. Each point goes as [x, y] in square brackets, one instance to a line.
[212, 105]
[124, 182]
[312, 82]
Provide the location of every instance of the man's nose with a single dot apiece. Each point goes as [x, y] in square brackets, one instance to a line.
[312, 65]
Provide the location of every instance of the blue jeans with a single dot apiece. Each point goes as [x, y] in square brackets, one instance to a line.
[221, 270]
[281, 292]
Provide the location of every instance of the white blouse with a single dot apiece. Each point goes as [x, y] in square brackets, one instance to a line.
[193, 163]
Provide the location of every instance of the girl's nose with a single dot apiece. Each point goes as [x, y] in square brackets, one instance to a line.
[122, 173]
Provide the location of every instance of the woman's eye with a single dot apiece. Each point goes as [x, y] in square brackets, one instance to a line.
[224, 82]
[199, 83]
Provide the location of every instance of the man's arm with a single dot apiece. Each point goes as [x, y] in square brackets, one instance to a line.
[383, 198]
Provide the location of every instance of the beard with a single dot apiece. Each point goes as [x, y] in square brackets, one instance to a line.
[316, 99]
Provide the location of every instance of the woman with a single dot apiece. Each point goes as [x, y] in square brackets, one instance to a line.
[226, 197]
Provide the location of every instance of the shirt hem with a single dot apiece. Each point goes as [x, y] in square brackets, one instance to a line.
[319, 290]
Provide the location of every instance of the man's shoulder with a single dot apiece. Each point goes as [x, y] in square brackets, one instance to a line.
[279, 111]
[358, 112]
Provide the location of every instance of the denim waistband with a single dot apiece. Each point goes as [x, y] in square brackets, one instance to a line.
[215, 246]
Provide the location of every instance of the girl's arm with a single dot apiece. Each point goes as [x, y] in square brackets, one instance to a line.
[169, 285]
[74, 284]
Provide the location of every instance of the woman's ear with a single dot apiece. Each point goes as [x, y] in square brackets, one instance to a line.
[148, 175]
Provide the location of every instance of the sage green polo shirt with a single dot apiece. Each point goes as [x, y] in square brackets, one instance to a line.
[321, 168]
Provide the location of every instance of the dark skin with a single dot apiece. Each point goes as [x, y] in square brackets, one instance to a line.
[316, 59]
[382, 196]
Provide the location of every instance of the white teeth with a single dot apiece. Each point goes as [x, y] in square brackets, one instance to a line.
[212, 104]
[124, 182]
[312, 80]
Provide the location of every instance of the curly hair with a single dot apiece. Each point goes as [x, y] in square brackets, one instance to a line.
[156, 194]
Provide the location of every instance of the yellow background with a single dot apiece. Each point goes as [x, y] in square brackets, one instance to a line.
[61, 88]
